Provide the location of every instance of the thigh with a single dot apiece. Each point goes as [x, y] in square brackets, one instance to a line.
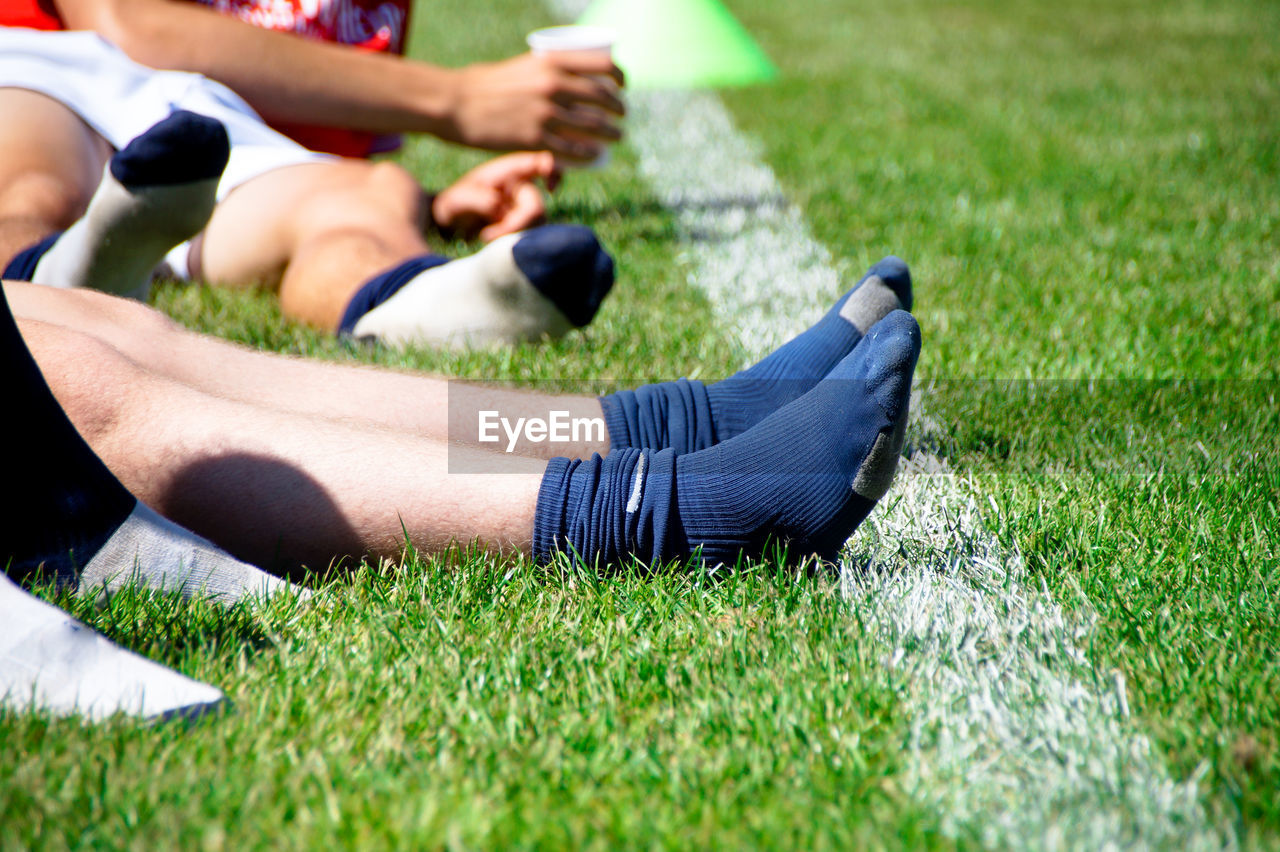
[50, 160]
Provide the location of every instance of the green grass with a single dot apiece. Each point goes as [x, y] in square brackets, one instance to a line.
[1085, 192]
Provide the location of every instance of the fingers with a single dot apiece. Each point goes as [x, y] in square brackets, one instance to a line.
[526, 209]
[510, 170]
[588, 64]
[572, 89]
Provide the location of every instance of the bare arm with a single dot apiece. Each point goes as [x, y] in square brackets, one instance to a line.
[527, 102]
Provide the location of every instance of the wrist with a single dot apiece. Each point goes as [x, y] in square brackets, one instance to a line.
[438, 94]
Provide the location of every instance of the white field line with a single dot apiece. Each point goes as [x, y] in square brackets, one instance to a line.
[1014, 735]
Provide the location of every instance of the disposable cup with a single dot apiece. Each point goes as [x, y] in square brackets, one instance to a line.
[576, 39]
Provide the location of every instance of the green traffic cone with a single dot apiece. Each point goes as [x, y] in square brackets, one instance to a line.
[680, 44]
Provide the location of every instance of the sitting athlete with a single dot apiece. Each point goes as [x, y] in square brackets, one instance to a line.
[72, 518]
[344, 461]
[91, 141]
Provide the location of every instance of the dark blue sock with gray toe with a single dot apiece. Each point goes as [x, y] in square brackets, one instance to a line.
[804, 476]
[688, 415]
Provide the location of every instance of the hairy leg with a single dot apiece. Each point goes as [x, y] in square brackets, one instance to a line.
[276, 486]
[416, 404]
[50, 165]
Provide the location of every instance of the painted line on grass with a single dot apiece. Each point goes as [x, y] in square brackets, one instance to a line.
[1014, 736]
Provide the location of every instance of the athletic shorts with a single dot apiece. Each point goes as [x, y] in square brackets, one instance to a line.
[120, 99]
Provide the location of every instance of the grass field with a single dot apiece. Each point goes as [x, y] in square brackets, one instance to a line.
[1087, 194]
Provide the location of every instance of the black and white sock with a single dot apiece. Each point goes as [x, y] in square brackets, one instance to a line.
[157, 192]
[528, 286]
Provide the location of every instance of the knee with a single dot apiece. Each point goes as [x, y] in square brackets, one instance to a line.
[398, 190]
[131, 327]
[51, 199]
[379, 197]
[116, 318]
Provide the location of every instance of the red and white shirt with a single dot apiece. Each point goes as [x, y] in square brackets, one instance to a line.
[374, 25]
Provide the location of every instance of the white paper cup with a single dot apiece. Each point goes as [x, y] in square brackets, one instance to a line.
[572, 39]
[576, 39]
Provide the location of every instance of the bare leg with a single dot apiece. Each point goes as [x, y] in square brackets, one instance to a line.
[51, 165]
[316, 231]
[412, 403]
[276, 486]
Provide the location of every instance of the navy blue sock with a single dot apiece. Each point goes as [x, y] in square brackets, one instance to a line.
[67, 502]
[567, 264]
[183, 148]
[806, 475]
[688, 416]
[23, 265]
[381, 287]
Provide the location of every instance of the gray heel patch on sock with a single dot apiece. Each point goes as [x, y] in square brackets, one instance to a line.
[869, 304]
[877, 470]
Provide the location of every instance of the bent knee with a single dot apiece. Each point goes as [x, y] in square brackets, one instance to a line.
[375, 196]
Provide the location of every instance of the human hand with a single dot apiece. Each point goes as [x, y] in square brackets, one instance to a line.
[565, 103]
[497, 198]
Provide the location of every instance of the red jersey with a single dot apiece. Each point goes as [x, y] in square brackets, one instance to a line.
[376, 25]
[34, 14]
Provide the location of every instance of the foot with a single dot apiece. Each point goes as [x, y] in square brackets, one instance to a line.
[155, 193]
[689, 416]
[50, 662]
[806, 475]
[524, 287]
[152, 551]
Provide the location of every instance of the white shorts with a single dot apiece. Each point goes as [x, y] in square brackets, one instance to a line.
[120, 99]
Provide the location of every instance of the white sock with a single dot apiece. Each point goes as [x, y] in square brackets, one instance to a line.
[153, 551]
[481, 300]
[156, 192]
[51, 662]
[125, 234]
[521, 287]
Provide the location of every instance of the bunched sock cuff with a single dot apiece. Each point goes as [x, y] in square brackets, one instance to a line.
[606, 508]
[676, 415]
